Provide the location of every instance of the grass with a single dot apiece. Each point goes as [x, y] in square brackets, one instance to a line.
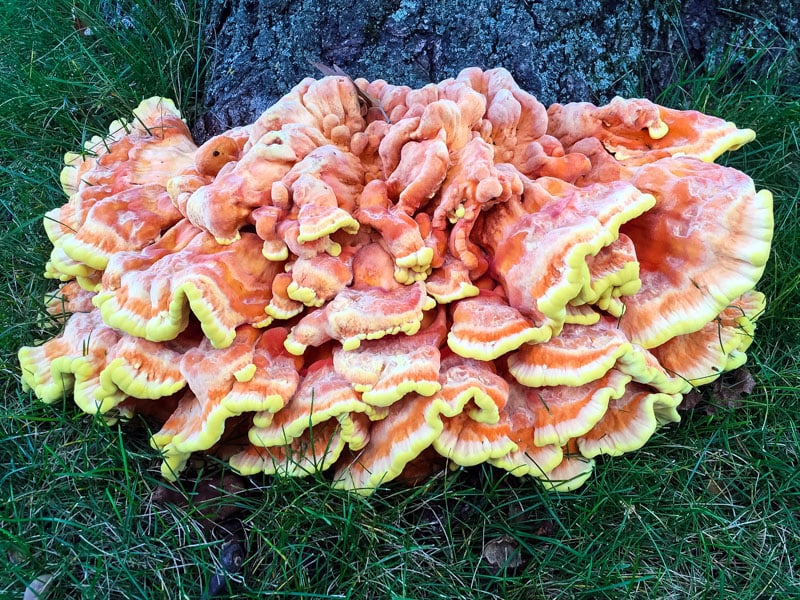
[706, 509]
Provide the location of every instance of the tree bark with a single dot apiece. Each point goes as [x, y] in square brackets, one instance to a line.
[587, 50]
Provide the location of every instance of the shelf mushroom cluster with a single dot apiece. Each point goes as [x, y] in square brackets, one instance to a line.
[372, 277]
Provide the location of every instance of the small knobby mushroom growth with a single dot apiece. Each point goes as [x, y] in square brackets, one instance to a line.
[377, 287]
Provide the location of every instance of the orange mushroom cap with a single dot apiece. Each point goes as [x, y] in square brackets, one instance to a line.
[73, 362]
[144, 369]
[355, 315]
[704, 243]
[450, 282]
[149, 149]
[323, 104]
[578, 355]
[317, 449]
[67, 299]
[126, 221]
[472, 386]
[221, 150]
[322, 394]
[702, 356]
[387, 369]
[486, 327]
[223, 206]
[253, 374]
[629, 422]
[571, 473]
[151, 293]
[565, 412]
[407, 430]
[541, 257]
[516, 423]
[638, 128]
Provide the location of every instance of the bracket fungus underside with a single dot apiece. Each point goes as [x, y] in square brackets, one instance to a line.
[452, 274]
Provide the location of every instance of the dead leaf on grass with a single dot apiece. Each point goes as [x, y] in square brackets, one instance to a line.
[502, 553]
[727, 391]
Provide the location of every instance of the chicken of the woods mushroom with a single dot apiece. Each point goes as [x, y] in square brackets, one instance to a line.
[446, 275]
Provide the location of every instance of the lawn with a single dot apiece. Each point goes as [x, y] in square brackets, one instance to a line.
[708, 508]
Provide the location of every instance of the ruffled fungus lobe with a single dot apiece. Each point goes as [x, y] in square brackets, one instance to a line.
[117, 191]
[642, 130]
[73, 362]
[152, 293]
[485, 327]
[361, 286]
[705, 242]
[579, 355]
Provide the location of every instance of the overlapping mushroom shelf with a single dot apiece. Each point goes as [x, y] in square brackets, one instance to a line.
[372, 279]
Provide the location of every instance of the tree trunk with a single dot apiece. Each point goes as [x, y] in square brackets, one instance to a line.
[560, 51]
